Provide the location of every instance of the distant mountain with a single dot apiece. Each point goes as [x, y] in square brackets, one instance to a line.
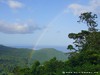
[11, 57]
[7, 52]
[2, 47]
[23, 55]
[47, 54]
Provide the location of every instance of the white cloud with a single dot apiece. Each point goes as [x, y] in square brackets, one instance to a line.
[14, 4]
[93, 6]
[18, 28]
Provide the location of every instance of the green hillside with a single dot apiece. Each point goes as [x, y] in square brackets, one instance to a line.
[10, 57]
[48, 53]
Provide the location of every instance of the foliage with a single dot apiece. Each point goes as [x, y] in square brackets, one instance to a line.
[89, 19]
[87, 57]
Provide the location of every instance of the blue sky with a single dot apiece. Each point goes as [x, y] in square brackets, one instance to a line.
[42, 22]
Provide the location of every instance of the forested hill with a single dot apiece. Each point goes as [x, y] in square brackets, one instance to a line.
[10, 57]
[2, 47]
[42, 54]
[48, 53]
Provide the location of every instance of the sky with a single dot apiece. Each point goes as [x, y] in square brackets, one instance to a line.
[42, 22]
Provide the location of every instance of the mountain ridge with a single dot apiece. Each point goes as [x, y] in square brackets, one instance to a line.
[44, 53]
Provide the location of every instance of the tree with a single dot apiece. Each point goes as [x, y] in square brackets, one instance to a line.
[87, 44]
[34, 69]
[85, 38]
[89, 19]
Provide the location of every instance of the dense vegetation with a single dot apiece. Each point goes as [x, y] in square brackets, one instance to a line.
[12, 57]
[83, 60]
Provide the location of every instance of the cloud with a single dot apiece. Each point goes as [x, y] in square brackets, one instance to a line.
[14, 4]
[18, 28]
[93, 6]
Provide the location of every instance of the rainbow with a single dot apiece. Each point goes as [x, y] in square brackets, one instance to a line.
[44, 32]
